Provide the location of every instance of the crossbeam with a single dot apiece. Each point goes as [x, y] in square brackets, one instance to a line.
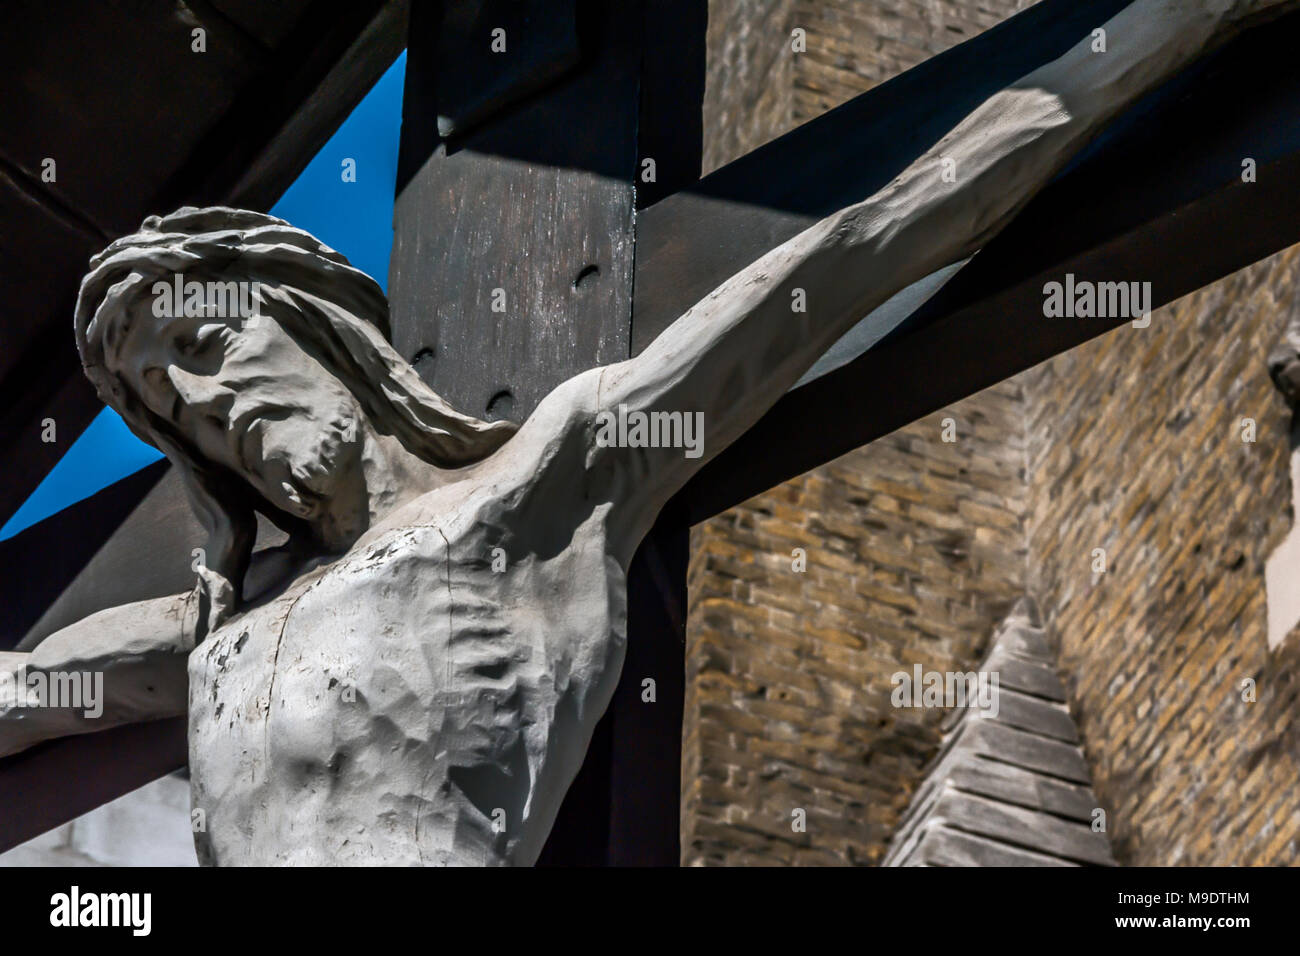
[1158, 197]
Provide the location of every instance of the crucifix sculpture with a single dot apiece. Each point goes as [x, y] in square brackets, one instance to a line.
[415, 676]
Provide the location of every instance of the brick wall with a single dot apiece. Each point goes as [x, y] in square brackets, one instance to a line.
[854, 45]
[758, 88]
[915, 547]
[915, 550]
[749, 89]
[1136, 447]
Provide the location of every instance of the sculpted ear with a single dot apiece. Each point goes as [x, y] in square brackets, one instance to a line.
[231, 529]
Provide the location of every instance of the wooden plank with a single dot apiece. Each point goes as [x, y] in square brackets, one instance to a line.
[54, 782]
[511, 268]
[1044, 717]
[943, 847]
[997, 794]
[646, 757]
[1030, 677]
[646, 749]
[991, 778]
[1023, 749]
[481, 71]
[1020, 827]
[510, 213]
[53, 551]
[671, 123]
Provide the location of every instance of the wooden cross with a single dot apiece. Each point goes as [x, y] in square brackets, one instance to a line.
[522, 182]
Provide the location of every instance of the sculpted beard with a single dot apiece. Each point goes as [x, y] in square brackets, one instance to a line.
[306, 455]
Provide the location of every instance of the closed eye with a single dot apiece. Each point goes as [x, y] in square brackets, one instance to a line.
[161, 387]
[199, 343]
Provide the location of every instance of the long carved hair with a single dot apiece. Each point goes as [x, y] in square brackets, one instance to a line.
[334, 311]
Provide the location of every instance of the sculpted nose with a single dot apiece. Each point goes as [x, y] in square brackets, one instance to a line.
[201, 393]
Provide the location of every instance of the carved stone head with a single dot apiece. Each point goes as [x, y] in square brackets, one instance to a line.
[250, 353]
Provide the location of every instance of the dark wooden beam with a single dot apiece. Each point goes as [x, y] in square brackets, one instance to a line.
[645, 760]
[324, 90]
[52, 552]
[645, 754]
[511, 268]
[532, 208]
[479, 75]
[56, 781]
[670, 129]
[537, 201]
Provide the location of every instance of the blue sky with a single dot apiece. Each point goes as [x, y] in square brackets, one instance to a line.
[356, 218]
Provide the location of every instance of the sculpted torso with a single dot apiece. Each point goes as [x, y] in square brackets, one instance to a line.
[423, 685]
[407, 702]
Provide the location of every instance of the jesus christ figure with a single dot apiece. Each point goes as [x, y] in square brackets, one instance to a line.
[414, 678]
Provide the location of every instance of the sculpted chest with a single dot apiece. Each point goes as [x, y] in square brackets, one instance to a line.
[282, 699]
[408, 662]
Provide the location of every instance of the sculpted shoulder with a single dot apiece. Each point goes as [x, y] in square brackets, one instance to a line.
[545, 468]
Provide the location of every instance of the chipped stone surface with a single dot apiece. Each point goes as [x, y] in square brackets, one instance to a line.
[433, 713]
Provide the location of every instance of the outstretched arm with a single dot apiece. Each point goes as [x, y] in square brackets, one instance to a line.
[732, 355]
[120, 666]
